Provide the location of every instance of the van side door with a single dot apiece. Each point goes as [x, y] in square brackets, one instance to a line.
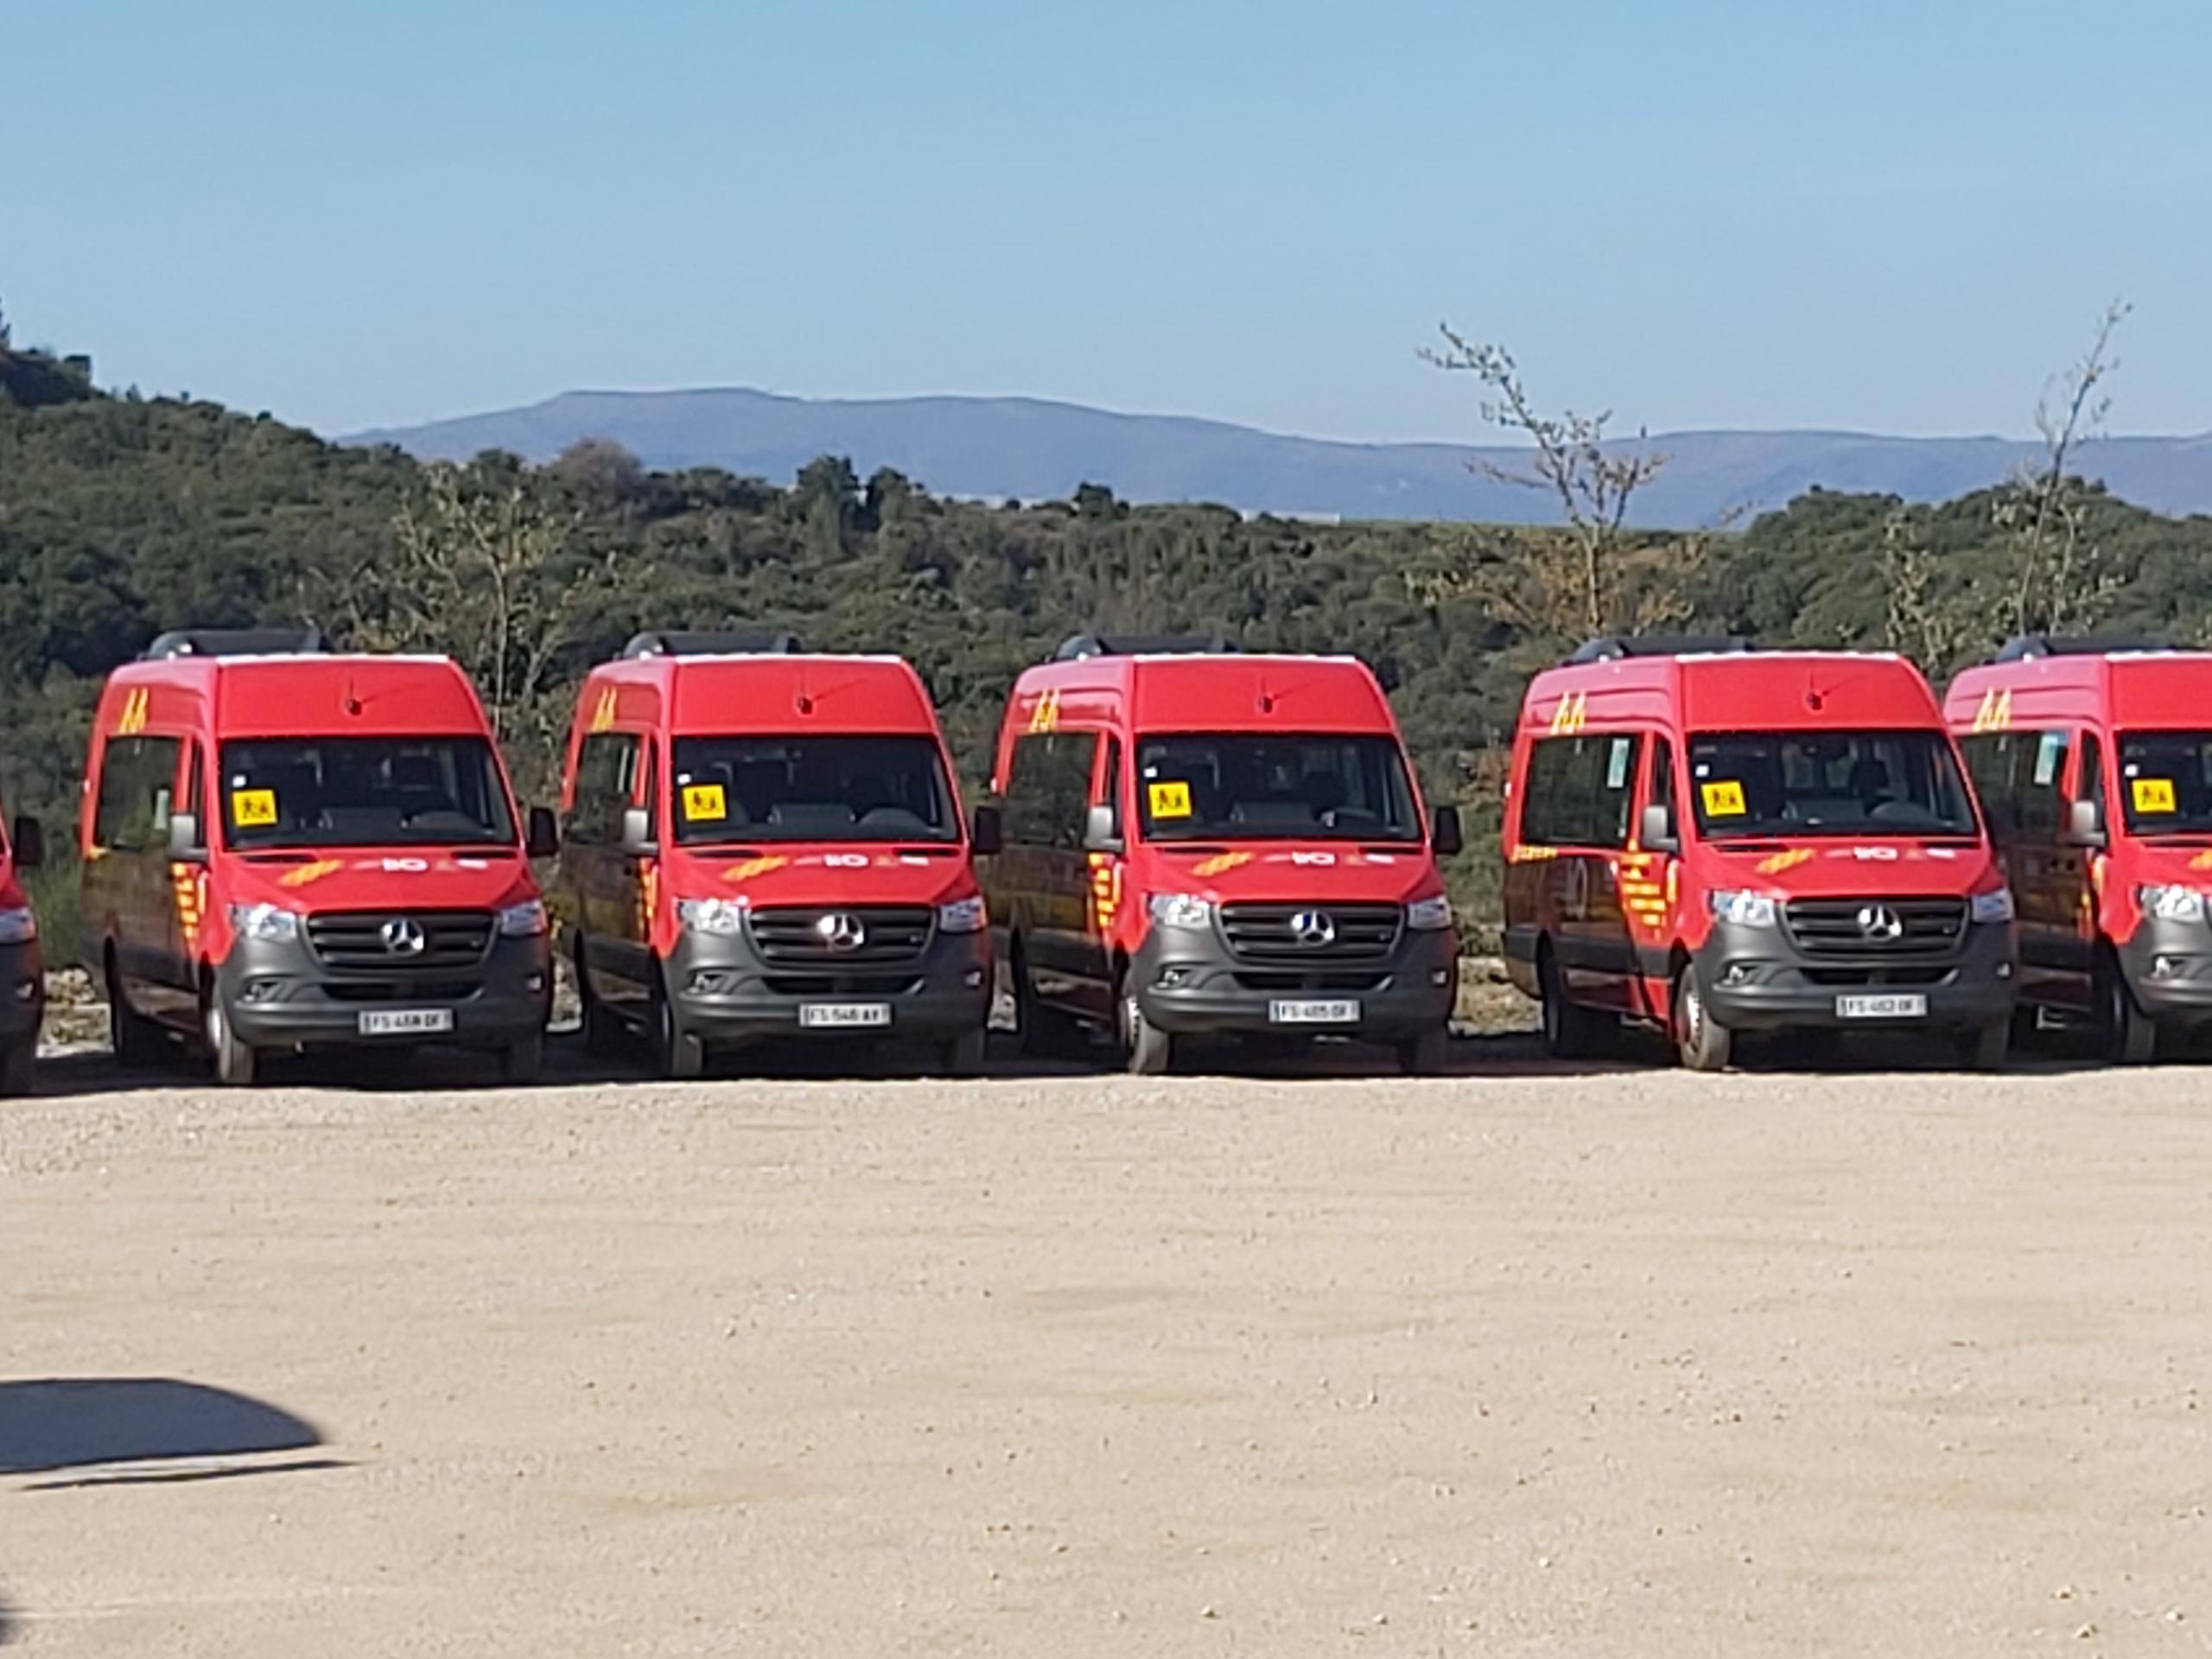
[135, 887]
[611, 926]
[2020, 777]
[1045, 873]
[1576, 817]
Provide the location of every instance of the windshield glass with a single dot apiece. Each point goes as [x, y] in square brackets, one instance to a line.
[1803, 784]
[364, 791]
[1232, 786]
[2166, 782]
[752, 789]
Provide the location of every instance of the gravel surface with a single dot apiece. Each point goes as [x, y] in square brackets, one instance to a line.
[1521, 1361]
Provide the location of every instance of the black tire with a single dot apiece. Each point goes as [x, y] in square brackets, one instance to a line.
[963, 1056]
[603, 1027]
[1987, 1048]
[1571, 1031]
[1701, 1043]
[2130, 1036]
[137, 1040]
[236, 1064]
[1146, 1051]
[19, 1068]
[523, 1061]
[677, 1053]
[1040, 1032]
[1427, 1055]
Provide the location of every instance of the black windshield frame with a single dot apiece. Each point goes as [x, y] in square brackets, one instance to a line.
[1819, 785]
[1239, 789]
[347, 792]
[2182, 762]
[847, 771]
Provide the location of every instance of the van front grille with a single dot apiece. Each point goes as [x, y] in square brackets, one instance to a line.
[386, 940]
[841, 936]
[1887, 928]
[1275, 934]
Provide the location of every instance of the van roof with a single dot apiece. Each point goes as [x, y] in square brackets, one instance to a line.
[295, 696]
[724, 694]
[1731, 690]
[1185, 691]
[2157, 689]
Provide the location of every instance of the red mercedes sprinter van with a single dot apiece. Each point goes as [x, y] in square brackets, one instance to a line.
[1719, 839]
[2094, 761]
[1201, 841]
[763, 843]
[285, 849]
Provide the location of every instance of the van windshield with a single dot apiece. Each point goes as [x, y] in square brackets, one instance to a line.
[2166, 782]
[1239, 786]
[1814, 783]
[364, 791]
[848, 788]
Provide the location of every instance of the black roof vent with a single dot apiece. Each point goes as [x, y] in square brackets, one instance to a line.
[2028, 646]
[235, 642]
[1080, 645]
[712, 642]
[1611, 647]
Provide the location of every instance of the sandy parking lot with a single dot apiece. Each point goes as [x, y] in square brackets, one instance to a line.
[1624, 1363]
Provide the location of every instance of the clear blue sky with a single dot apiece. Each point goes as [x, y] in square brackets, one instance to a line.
[1887, 216]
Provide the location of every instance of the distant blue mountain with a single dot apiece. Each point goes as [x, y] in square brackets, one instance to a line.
[1000, 446]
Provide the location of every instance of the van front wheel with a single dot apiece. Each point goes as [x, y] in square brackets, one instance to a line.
[235, 1062]
[1702, 1042]
[1148, 1051]
[1571, 1031]
[2131, 1037]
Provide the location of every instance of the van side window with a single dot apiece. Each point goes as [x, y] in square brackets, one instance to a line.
[137, 780]
[606, 779]
[1109, 781]
[2021, 778]
[1580, 789]
[1048, 788]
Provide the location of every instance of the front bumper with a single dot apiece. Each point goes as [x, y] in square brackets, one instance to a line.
[2169, 967]
[279, 996]
[1755, 979]
[724, 991]
[1186, 980]
[23, 993]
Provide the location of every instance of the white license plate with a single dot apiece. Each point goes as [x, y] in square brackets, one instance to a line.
[1899, 1006]
[404, 1022]
[1340, 1011]
[839, 1016]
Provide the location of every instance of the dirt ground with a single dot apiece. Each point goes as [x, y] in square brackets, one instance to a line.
[1621, 1363]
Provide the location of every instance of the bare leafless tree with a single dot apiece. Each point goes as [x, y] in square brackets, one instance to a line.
[2060, 583]
[1592, 485]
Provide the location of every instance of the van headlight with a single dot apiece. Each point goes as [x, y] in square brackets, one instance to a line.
[1995, 906]
[2166, 904]
[18, 926]
[266, 923]
[1180, 910]
[523, 921]
[1430, 913]
[962, 916]
[1741, 908]
[723, 917]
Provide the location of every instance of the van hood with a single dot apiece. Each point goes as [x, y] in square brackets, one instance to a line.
[350, 879]
[1851, 868]
[2178, 867]
[1284, 873]
[819, 875]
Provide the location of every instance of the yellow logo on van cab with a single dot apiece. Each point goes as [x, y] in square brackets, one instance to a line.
[1995, 713]
[602, 713]
[132, 721]
[1046, 716]
[1573, 712]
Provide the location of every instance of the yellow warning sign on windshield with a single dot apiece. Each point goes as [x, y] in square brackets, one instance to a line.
[2155, 795]
[1724, 798]
[1170, 800]
[253, 809]
[705, 801]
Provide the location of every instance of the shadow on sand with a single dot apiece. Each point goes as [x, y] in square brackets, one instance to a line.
[134, 1430]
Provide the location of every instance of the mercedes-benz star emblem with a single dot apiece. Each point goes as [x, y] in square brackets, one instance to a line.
[1880, 923]
[1314, 928]
[402, 937]
[840, 932]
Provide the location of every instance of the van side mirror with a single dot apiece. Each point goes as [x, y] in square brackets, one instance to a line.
[2085, 824]
[1445, 837]
[1100, 833]
[543, 838]
[987, 830]
[1657, 832]
[29, 842]
[638, 832]
[187, 844]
